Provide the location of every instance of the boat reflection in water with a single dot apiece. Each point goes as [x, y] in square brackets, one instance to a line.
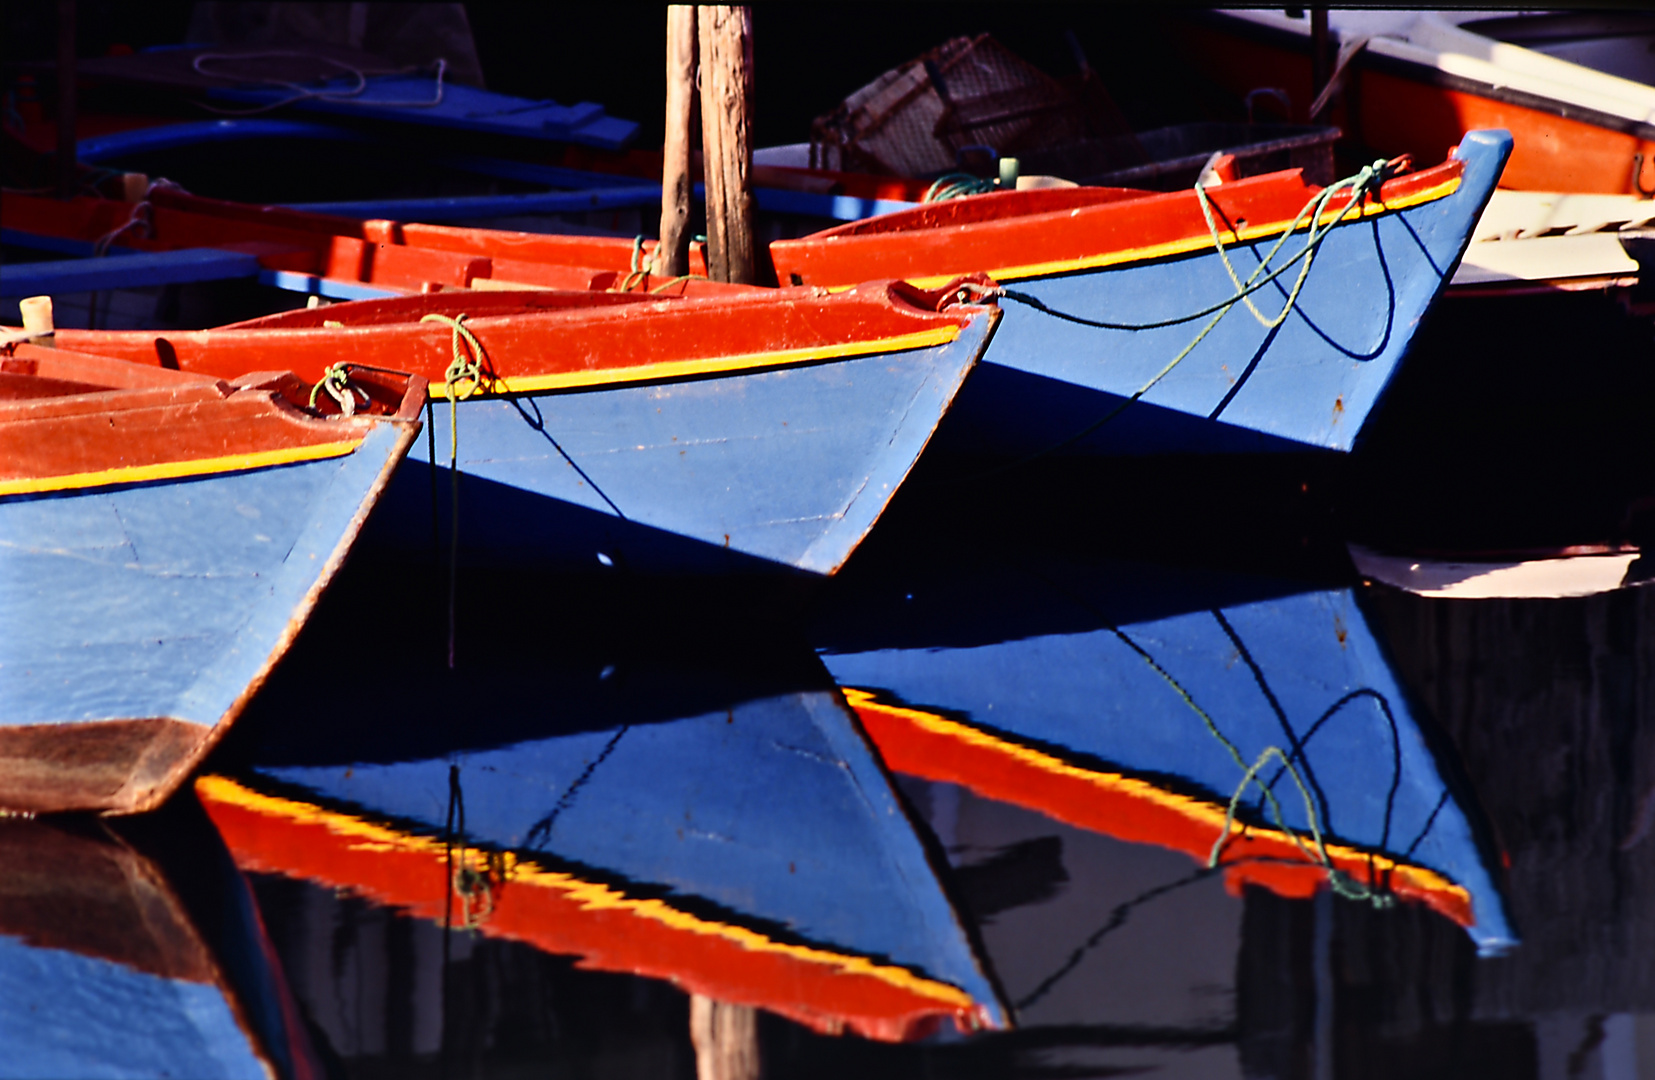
[1043, 713]
[729, 831]
[135, 949]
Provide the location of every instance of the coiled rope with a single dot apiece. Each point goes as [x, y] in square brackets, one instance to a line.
[956, 185]
[466, 365]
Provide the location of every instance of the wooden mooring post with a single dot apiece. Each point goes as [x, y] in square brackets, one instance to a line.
[672, 256]
[725, 1038]
[726, 41]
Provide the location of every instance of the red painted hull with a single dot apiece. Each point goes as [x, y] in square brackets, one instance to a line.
[570, 338]
[1395, 110]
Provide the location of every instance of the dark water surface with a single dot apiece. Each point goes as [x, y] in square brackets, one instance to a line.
[952, 815]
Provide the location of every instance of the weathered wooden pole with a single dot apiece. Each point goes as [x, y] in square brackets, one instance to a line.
[726, 1039]
[67, 180]
[672, 256]
[726, 39]
[1321, 63]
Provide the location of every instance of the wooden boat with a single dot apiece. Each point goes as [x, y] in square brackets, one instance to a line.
[1415, 81]
[603, 431]
[1538, 242]
[721, 825]
[1113, 255]
[163, 537]
[138, 952]
[1578, 570]
[1133, 700]
[1053, 385]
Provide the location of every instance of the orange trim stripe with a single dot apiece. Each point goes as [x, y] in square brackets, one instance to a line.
[562, 912]
[1184, 246]
[934, 747]
[174, 470]
[672, 369]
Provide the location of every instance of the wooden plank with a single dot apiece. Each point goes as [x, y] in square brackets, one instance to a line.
[126, 271]
[672, 257]
[726, 39]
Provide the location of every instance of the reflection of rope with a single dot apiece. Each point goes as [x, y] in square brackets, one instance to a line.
[300, 92]
[1341, 882]
[473, 885]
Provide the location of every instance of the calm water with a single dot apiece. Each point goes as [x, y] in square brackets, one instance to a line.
[954, 815]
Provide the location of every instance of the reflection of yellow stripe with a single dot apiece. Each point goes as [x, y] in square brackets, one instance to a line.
[1193, 809]
[592, 896]
[1188, 244]
[672, 369]
[172, 470]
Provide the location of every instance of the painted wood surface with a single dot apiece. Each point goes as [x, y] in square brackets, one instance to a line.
[722, 826]
[761, 433]
[1419, 83]
[1080, 692]
[114, 964]
[1103, 254]
[161, 542]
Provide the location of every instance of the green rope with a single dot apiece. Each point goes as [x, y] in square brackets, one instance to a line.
[955, 185]
[468, 367]
[336, 380]
[1358, 184]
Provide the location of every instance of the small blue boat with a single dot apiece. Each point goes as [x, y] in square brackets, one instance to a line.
[1254, 724]
[1126, 331]
[138, 953]
[732, 832]
[163, 537]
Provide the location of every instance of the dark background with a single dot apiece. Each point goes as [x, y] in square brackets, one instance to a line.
[807, 56]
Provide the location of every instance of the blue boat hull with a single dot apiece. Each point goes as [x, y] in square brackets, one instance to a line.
[761, 471]
[145, 615]
[1116, 707]
[1310, 383]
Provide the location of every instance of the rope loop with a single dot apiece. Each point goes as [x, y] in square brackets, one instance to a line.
[467, 363]
[336, 380]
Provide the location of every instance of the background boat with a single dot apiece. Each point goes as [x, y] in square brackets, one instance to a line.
[1414, 81]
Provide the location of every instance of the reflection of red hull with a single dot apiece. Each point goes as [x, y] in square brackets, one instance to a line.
[606, 927]
[939, 748]
[1395, 107]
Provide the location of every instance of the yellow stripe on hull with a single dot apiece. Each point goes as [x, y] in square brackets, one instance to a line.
[592, 896]
[1008, 274]
[674, 369]
[175, 470]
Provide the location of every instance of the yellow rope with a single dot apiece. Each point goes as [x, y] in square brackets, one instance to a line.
[467, 367]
